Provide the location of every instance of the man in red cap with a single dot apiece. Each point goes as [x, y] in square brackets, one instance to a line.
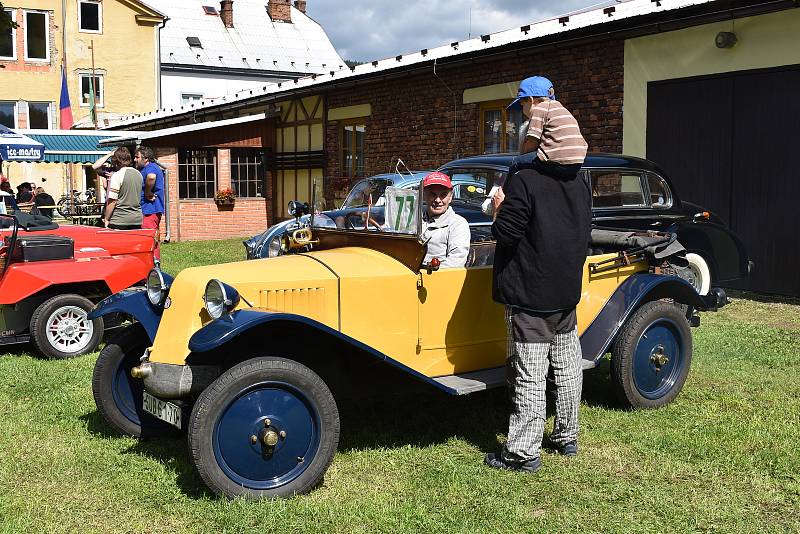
[447, 233]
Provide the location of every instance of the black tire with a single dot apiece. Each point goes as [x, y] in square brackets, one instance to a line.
[651, 356]
[235, 416]
[117, 395]
[60, 329]
[63, 207]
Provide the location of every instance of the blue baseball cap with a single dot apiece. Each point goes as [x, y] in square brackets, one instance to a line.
[533, 86]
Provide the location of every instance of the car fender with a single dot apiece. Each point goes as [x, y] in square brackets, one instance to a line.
[132, 302]
[723, 250]
[23, 279]
[238, 322]
[639, 288]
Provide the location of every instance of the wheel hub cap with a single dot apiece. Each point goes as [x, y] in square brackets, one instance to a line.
[659, 358]
[68, 329]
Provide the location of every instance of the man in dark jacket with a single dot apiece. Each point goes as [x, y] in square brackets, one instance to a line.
[542, 230]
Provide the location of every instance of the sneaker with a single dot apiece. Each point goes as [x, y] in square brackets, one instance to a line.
[568, 449]
[496, 461]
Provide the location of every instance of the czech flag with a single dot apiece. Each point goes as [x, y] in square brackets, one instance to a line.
[64, 106]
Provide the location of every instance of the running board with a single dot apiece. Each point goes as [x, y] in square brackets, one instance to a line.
[475, 381]
[471, 382]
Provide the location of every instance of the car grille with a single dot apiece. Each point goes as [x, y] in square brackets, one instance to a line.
[308, 302]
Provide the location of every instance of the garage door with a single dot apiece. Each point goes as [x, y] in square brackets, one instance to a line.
[729, 143]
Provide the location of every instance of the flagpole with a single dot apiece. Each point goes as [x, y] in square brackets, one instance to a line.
[93, 109]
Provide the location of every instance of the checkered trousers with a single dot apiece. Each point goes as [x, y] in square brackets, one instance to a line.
[528, 364]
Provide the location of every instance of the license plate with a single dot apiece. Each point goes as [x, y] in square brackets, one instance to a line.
[166, 411]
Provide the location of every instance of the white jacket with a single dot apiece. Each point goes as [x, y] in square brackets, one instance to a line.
[448, 238]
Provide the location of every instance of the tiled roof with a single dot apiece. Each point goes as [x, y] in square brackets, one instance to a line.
[254, 43]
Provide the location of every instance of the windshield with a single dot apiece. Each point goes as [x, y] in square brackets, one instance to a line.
[472, 185]
[367, 192]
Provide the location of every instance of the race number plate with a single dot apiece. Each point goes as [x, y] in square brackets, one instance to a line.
[401, 210]
[166, 411]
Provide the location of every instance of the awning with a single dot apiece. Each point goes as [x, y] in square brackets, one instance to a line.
[17, 147]
[70, 146]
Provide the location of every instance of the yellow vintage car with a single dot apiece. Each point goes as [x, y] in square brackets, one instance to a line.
[251, 358]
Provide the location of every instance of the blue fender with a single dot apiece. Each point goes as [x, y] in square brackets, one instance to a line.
[599, 335]
[226, 328]
[132, 301]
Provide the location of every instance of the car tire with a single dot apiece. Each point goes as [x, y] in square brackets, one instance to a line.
[117, 395]
[651, 356]
[63, 207]
[700, 271]
[249, 405]
[60, 327]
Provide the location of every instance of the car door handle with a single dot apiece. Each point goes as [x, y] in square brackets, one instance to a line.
[657, 223]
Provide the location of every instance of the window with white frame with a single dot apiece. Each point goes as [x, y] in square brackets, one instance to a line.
[90, 16]
[8, 39]
[39, 115]
[37, 36]
[188, 98]
[8, 113]
[87, 83]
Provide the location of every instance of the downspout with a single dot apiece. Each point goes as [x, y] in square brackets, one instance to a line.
[158, 64]
[168, 226]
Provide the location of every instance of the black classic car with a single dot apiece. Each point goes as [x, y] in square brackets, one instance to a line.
[634, 193]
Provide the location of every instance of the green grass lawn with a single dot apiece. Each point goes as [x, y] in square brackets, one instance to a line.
[722, 458]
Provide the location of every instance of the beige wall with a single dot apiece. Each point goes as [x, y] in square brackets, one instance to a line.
[54, 177]
[125, 52]
[765, 41]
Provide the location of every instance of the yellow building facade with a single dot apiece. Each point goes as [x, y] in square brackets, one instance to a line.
[117, 40]
[110, 45]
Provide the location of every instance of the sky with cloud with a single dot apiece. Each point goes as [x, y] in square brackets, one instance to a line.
[364, 30]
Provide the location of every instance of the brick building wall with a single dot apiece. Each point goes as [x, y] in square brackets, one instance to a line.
[202, 218]
[412, 117]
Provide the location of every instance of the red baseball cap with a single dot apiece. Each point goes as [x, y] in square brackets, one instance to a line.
[437, 178]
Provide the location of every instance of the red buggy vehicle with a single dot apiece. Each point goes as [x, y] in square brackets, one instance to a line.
[53, 275]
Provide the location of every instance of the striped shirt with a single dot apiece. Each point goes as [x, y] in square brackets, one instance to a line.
[559, 135]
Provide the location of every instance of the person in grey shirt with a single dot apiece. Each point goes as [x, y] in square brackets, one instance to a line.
[123, 207]
[446, 233]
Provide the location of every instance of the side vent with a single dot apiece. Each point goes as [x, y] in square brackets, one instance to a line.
[308, 302]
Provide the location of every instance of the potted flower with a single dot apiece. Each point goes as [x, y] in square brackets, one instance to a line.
[225, 197]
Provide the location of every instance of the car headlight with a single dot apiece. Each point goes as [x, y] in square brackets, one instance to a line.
[274, 247]
[220, 298]
[157, 287]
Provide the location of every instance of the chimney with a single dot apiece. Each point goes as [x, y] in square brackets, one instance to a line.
[279, 10]
[300, 5]
[226, 12]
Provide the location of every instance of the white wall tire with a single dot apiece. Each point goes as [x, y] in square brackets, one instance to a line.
[700, 272]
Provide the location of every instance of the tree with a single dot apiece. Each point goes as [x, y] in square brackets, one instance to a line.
[5, 20]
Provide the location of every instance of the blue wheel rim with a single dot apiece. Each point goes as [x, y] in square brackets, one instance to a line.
[253, 464]
[127, 401]
[659, 359]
